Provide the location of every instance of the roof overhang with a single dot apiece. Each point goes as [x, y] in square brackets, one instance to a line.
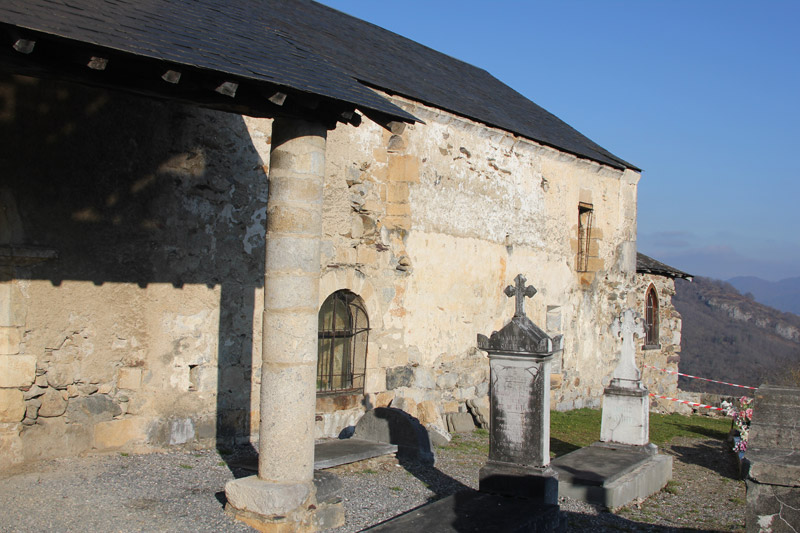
[647, 265]
[40, 54]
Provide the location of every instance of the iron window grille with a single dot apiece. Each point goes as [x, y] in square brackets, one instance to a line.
[651, 318]
[585, 215]
[343, 334]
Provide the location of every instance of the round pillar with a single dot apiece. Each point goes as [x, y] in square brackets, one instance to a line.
[291, 296]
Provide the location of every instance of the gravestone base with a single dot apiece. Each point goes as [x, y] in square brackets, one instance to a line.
[772, 462]
[626, 415]
[539, 484]
[612, 475]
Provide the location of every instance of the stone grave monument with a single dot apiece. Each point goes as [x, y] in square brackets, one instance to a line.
[519, 394]
[771, 465]
[518, 489]
[624, 465]
[626, 403]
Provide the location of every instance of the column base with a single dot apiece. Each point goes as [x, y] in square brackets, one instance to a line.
[326, 516]
[281, 508]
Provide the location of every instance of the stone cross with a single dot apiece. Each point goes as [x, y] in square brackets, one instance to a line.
[627, 327]
[520, 291]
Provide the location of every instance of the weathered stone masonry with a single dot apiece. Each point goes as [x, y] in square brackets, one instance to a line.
[145, 331]
[141, 332]
[666, 354]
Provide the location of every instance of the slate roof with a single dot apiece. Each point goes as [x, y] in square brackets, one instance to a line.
[240, 38]
[648, 265]
[305, 46]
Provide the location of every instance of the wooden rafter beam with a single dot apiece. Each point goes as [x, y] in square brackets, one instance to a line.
[46, 56]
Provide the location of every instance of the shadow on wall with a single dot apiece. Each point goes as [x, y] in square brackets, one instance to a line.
[134, 191]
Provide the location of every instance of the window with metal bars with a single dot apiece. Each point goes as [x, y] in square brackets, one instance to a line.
[651, 318]
[343, 333]
[585, 212]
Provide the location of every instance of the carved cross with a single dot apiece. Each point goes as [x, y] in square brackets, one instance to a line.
[627, 327]
[520, 291]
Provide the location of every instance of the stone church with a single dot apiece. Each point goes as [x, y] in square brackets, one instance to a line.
[230, 221]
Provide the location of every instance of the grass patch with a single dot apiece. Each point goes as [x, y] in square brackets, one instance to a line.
[187, 467]
[671, 487]
[395, 489]
[124, 454]
[468, 444]
[369, 471]
[221, 463]
[570, 430]
[664, 428]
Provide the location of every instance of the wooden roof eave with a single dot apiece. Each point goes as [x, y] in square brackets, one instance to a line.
[40, 55]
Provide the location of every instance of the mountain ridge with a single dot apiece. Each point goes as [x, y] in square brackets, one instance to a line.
[730, 337]
[783, 294]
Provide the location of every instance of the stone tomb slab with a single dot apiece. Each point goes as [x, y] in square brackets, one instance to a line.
[475, 512]
[612, 476]
[332, 452]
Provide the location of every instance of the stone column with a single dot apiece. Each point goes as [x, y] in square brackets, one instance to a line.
[284, 485]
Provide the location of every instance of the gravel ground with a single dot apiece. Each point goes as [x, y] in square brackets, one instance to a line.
[183, 491]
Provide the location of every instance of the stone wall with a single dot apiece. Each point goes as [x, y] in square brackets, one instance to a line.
[429, 222]
[140, 334]
[145, 331]
[666, 355]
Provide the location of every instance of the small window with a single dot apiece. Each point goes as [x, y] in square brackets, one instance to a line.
[651, 318]
[342, 354]
[585, 212]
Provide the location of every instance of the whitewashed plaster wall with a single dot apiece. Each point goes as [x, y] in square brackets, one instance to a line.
[145, 332]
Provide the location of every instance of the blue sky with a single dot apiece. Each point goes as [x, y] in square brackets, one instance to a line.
[704, 96]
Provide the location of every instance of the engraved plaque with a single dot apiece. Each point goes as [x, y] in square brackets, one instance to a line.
[519, 416]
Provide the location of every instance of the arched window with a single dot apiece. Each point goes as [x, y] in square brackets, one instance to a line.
[651, 318]
[342, 354]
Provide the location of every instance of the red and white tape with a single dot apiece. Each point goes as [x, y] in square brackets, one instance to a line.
[704, 379]
[694, 404]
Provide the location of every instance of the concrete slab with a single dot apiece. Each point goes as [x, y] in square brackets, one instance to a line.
[611, 476]
[332, 452]
[473, 512]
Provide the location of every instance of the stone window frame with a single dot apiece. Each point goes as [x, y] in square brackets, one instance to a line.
[585, 219]
[341, 366]
[651, 319]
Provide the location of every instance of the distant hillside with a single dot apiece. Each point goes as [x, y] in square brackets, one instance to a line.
[730, 337]
[783, 294]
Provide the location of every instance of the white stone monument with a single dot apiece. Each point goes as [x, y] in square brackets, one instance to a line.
[626, 403]
[623, 465]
